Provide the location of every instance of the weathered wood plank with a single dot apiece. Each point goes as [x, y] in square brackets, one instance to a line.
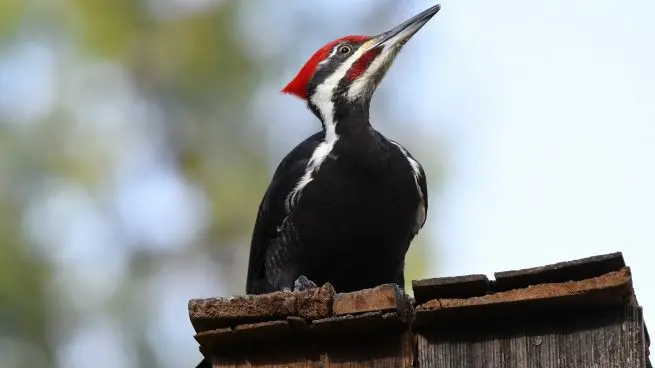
[370, 351]
[293, 329]
[269, 356]
[450, 287]
[610, 289]
[319, 303]
[213, 313]
[573, 314]
[383, 298]
[390, 351]
[575, 270]
[610, 338]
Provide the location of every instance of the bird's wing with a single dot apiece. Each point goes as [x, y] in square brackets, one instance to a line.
[421, 186]
[423, 189]
[273, 211]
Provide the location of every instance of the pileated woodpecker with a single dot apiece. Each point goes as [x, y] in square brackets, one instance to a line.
[343, 205]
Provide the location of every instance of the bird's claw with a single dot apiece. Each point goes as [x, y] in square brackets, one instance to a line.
[303, 283]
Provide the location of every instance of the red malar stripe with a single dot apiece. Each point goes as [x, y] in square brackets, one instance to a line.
[360, 66]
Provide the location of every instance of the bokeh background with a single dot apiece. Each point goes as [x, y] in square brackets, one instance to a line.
[138, 136]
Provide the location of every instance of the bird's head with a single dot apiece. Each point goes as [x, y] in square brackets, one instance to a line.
[349, 69]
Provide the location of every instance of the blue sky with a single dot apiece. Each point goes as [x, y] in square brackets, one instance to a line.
[552, 158]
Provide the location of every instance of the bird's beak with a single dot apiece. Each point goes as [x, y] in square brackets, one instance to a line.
[403, 32]
[378, 57]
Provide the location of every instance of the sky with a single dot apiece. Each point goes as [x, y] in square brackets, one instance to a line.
[552, 158]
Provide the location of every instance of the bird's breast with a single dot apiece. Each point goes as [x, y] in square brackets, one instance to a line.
[360, 197]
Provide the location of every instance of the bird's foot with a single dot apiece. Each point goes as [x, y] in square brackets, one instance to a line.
[303, 283]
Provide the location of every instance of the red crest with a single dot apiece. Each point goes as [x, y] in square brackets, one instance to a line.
[298, 86]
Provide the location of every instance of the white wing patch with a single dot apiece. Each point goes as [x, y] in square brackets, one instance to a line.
[417, 171]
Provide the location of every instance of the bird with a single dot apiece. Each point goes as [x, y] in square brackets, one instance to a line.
[344, 205]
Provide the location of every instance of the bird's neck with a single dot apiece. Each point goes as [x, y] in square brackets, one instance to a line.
[344, 120]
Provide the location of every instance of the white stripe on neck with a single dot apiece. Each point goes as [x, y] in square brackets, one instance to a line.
[363, 84]
[322, 99]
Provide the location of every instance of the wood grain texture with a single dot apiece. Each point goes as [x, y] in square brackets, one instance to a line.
[612, 338]
[613, 288]
[214, 313]
[383, 298]
[450, 287]
[576, 270]
[378, 351]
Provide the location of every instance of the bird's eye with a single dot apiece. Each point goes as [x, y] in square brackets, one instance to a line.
[344, 50]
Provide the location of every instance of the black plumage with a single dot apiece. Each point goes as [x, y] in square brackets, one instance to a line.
[344, 205]
[352, 224]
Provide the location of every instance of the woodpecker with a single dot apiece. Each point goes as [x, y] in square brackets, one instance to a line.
[343, 205]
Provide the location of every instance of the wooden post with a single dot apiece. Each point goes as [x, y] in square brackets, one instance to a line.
[316, 328]
[573, 314]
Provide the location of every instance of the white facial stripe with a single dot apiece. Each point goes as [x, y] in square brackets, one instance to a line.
[362, 85]
[334, 51]
[322, 99]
